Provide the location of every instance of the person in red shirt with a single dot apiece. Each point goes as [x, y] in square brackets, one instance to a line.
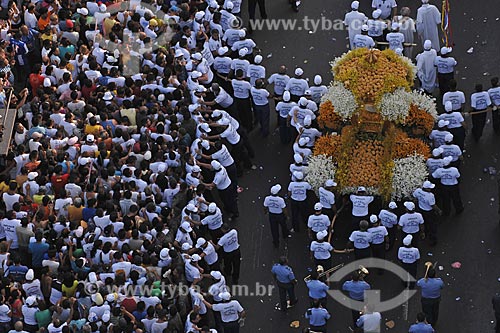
[59, 180]
[88, 88]
[36, 78]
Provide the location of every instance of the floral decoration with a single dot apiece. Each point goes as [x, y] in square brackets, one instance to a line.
[409, 174]
[319, 169]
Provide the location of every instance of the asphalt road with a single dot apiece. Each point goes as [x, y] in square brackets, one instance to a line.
[472, 238]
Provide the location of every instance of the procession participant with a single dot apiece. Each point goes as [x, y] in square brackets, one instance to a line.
[388, 8]
[356, 288]
[369, 320]
[380, 239]
[437, 135]
[361, 240]
[256, 70]
[431, 287]
[297, 85]
[213, 220]
[242, 89]
[449, 176]
[426, 70]
[261, 109]
[411, 222]
[360, 205]
[279, 80]
[327, 198]
[318, 90]
[479, 101]
[428, 208]
[318, 221]
[317, 290]
[445, 69]
[409, 257]
[451, 150]
[407, 28]
[231, 312]
[286, 281]
[395, 38]
[298, 166]
[318, 317]
[231, 252]
[275, 206]
[283, 108]
[208, 253]
[456, 97]
[376, 27]
[421, 326]
[494, 93]
[226, 189]
[307, 131]
[389, 220]
[363, 40]
[320, 250]
[428, 18]
[456, 125]
[353, 20]
[299, 113]
[297, 192]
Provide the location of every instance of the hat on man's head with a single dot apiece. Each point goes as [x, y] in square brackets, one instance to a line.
[448, 106]
[443, 123]
[393, 205]
[299, 71]
[409, 205]
[437, 151]
[427, 184]
[275, 189]
[407, 240]
[330, 183]
[318, 206]
[318, 79]
[427, 44]
[355, 5]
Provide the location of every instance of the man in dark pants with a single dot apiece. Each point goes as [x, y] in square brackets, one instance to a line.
[276, 207]
[380, 240]
[286, 281]
[297, 191]
[445, 69]
[480, 101]
[227, 189]
[428, 208]
[494, 93]
[431, 295]
[356, 288]
[252, 5]
[231, 252]
[450, 190]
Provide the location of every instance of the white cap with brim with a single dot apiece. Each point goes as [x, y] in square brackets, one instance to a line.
[275, 189]
[200, 242]
[448, 106]
[216, 165]
[409, 205]
[330, 183]
[443, 123]
[437, 151]
[392, 205]
[225, 296]
[448, 138]
[298, 158]
[298, 175]
[321, 235]
[407, 240]
[427, 44]
[216, 275]
[32, 175]
[428, 184]
[195, 258]
[222, 50]
[355, 5]
[286, 96]
[299, 71]
[373, 218]
[361, 189]
[243, 52]
[318, 206]
[192, 208]
[186, 226]
[317, 78]
[364, 27]
[445, 50]
[30, 275]
[376, 13]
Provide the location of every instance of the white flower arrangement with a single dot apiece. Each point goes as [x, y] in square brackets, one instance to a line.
[336, 61]
[424, 102]
[343, 100]
[411, 66]
[320, 168]
[409, 173]
[395, 106]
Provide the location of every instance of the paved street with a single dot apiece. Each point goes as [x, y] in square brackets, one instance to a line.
[472, 238]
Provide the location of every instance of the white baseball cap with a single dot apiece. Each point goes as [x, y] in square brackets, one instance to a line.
[373, 218]
[197, 56]
[257, 59]
[428, 184]
[307, 121]
[186, 226]
[364, 27]
[200, 242]
[330, 183]
[243, 52]
[164, 254]
[317, 78]
[298, 175]
[196, 168]
[318, 206]
[448, 137]
[32, 175]
[437, 151]
[445, 50]
[225, 296]
[216, 275]
[216, 165]
[83, 11]
[355, 5]
[409, 205]
[376, 13]
[392, 205]
[303, 101]
[298, 158]
[407, 240]
[361, 189]
[223, 50]
[30, 275]
[205, 127]
[31, 300]
[275, 189]
[427, 44]
[212, 207]
[205, 144]
[286, 96]
[47, 82]
[448, 106]
[299, 71]
[199, 15]
[321, 235]
[195, 257]
[191, 208]
[195, 74]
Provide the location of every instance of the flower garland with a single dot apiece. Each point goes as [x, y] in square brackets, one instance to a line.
[395, 106]
[409, 174]
[319, 169]
[343, 101]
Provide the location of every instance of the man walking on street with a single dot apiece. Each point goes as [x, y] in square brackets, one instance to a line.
[431, 295]
[276, 207]
[286, 281]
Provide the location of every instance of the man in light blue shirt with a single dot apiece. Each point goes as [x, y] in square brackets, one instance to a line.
[318, 316]
[421, 326]
[356, 289]
[431, 295]
[317, 289]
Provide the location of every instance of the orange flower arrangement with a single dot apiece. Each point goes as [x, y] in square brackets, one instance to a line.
[328, 145]
[364, 166]
[405, 146]
[328, 117]
[420, 119]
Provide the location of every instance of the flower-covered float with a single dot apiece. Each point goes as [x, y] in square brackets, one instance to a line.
[376, 126]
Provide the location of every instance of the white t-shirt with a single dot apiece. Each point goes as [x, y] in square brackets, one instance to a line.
[480, 100]
[255, 72]
[260, 96]
[448, 176]
[408, 255]
[221, 179]
[321, 250]
[223, 156]
[275, 204]
[229, 311]
[9, 227]
[361, 239]
[457, 99]
[326, 198]
[494, 95]
[410, 222]
[296, 86]
[425, 199]
[280, 81]
[318, 223]
[299, 190]
[378, 234]
[241, 88]
[360, 204]
[229, 241]
[388, 219]
[455, 118]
